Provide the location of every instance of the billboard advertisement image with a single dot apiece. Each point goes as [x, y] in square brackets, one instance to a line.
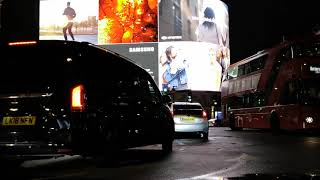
[196, 20]
[128, 21]
[183, 44]
[181, 68]
[69, 20]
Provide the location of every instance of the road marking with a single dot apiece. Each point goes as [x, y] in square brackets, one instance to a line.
[239, 162]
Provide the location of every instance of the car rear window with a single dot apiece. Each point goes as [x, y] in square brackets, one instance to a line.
[31, 67]
[194, 110]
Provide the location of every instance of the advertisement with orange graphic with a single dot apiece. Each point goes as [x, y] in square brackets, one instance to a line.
[127, 21]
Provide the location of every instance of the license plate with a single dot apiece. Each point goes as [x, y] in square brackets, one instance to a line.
[188, 118]
[19, 121]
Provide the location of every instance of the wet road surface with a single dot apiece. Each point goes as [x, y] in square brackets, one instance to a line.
[226, 154]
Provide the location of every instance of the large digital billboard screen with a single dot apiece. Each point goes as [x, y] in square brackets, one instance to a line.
[183, 44]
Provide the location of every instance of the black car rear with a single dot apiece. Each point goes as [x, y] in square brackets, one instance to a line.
[55, 94]
[35, 97]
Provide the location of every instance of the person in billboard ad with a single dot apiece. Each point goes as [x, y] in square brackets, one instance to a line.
[180, 68]
[70, 13]
[128, 21]
[203, 24]
[208, 31]
[174, 75]
[213, 24]
[59, 19]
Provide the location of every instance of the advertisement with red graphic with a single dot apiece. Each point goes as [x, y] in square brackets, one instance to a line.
[128, 21]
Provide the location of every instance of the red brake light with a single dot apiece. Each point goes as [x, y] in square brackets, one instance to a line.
[22, 43]
[77, 98]
[204, 114]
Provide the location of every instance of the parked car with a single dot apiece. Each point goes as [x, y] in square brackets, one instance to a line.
[57, 93]
[190, 119]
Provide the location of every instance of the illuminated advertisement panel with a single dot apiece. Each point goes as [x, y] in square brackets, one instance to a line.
[181, 68]
[183, 44]
[194, 20]
[128, 21]
[69, 20]
[143, 54]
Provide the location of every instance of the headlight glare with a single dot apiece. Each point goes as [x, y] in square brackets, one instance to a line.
[309, 119]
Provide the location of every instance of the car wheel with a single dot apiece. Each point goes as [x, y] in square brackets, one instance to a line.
[232, 124]
[168, 136]
[205, 136]
[274, 122]
[108, 144]
[110, 155]
[167, 147]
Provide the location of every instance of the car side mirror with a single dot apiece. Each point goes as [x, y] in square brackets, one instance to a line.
[166, 99]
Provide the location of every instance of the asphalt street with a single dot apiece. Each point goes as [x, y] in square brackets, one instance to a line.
[226, 154]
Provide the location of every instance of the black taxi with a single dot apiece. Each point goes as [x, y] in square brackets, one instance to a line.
[57, 95]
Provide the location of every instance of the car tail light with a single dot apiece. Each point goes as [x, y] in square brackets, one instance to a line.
[22, 43]
[77, 98]
[204, 114]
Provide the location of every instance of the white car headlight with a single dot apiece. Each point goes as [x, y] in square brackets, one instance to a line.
[309, 119]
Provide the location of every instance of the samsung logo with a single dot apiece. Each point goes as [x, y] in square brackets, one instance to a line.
[171, 37]
[141, 49]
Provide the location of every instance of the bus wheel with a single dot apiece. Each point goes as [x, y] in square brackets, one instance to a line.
[274, 122]
[232, 124]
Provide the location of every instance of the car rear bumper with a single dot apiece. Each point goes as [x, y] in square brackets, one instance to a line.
[32, 150]
[201, 127]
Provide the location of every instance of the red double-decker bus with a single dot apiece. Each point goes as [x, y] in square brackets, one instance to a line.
[277, 88]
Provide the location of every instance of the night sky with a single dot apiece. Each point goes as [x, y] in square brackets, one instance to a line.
[260, 24]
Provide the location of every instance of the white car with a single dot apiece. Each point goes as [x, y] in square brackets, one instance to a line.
[190, 119]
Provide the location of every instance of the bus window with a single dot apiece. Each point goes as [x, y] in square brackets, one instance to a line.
[290, 94]
[241, 70]
[259, 100]
[247, 100]
[254, 100]
[310, 93]
[247, 68]
[258, 64]
[232, 72]
[306, 50]
[235, 102]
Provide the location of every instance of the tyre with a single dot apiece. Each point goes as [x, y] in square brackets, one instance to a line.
[110, 151]
[274, 122]
[106, 142]
[205, 136]
[167, 146]
[168, 136]
[232, 124]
